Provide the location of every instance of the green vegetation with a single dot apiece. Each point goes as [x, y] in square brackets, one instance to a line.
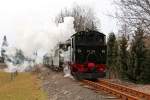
[112, 55]
[131, 64]
[134, 52]
[123, 56]
[25, 86]
[138, 58]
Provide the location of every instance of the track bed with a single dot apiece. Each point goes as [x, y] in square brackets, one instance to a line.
[60, 88]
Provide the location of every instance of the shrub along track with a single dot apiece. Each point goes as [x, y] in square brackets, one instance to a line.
[118, 90]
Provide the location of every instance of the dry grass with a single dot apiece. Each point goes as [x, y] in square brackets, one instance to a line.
[24, 87]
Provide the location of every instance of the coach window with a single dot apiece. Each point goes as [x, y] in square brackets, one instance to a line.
[88, 51]
[78, 50]
[97, 37]
[100, 40]
[93, 51]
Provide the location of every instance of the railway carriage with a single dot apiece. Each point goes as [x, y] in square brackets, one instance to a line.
[85, 54]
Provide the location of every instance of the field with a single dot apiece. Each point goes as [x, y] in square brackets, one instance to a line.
[25, 86]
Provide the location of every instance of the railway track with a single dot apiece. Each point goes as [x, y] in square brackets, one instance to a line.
[123, 92]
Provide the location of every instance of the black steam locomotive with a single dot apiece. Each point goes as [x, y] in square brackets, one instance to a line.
[84, 53]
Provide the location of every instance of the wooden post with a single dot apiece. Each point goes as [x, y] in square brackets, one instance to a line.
[16, 73]
[12, 75]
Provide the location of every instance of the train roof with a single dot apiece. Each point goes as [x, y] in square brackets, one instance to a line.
[87, 32]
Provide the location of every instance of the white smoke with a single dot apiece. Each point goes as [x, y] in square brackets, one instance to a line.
[44, 39]
[32, 39]
[66, 70]
[11, 61]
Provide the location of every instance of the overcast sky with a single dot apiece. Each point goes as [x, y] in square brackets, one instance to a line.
[18, 14]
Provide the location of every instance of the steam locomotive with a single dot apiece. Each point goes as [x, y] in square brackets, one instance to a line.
[84, 54]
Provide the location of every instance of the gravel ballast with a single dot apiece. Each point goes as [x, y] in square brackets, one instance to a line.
[59, 87]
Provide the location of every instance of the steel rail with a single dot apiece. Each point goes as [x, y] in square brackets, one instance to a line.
[104, 85]
[126, 89]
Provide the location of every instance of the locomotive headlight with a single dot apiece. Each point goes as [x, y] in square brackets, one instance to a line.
[103, 51]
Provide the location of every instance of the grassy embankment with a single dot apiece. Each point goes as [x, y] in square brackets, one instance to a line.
[24, 87]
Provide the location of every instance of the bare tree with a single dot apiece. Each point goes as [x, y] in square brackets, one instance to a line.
[135, 12]
[60, 17]
[85, 18]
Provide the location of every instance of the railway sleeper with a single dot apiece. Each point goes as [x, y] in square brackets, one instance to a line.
[120, 94]
[127, 89]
